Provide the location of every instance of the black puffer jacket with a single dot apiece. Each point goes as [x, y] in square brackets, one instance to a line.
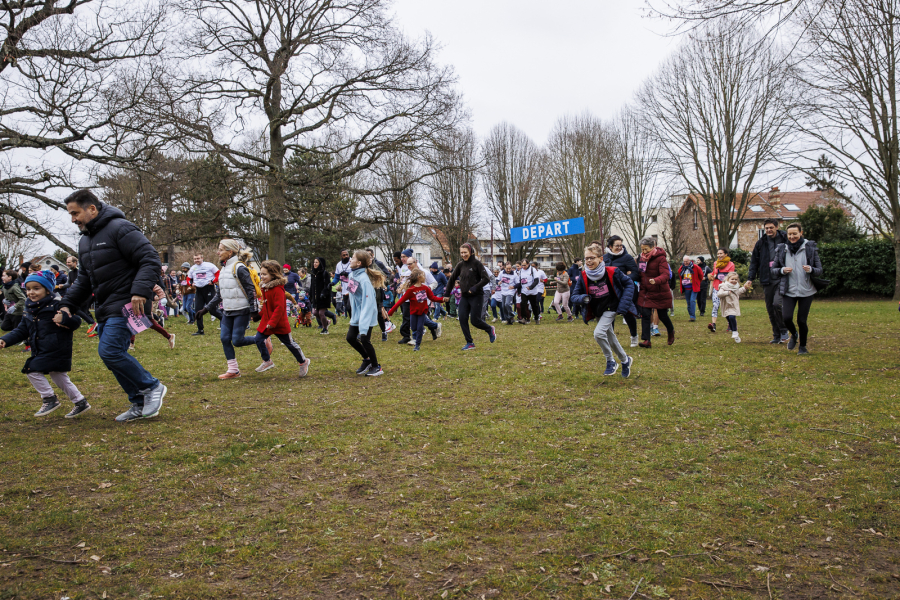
[761, 261]
[51, 345]
[625, 262]
[320, 287]
[117, 262]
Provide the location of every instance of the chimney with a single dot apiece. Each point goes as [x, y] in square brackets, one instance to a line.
[775, 198]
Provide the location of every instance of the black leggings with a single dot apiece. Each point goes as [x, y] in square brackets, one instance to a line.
[362, 344]
[647, 315]
[787, 312]
[631, 320]
[470, 306]
[284, 338]
[322, 317]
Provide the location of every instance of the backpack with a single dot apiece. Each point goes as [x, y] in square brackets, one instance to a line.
[254, 277]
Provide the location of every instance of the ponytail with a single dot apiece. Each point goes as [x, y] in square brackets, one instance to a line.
[375, 275]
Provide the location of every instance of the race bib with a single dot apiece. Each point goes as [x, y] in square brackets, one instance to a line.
[686, 282]
[721, 276]
[352, 286]
[421, 296]
[200, 276]
[771, 263]
[642, 266]
[598, 291]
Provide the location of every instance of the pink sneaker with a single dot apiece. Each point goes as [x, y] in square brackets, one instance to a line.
[230, 375]
[265, 366]
[304, 367]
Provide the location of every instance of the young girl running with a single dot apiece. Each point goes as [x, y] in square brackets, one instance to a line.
[274, 319]
[472, 278]
[729, 295]
[237, 294]
[605, 292]
[364, 310]
[418, 295]
[724, 266]
[49, 333]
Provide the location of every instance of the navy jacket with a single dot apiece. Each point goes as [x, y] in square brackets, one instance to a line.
[441, 284]
[292, 280]
[624, 292]
[625, 262]
[117, 262]
[574, 272]
[51, 345]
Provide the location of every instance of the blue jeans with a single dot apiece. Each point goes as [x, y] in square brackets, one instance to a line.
[439, 310]
[189, 306]
[691, 298]
[232, 334]
[508, 307]
[417, 324]
[115, 337]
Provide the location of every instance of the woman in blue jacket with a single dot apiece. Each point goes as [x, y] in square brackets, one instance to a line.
[363, 280]
[604, 292]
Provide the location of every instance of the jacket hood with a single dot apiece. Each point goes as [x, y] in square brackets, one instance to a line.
[107, 213]
[321, 266]
[273, 283]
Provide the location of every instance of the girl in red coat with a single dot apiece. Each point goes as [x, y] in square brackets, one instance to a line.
[274, 319]
[418, 295]
[655, 291]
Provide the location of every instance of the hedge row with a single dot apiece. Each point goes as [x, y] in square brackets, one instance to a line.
[865, 266]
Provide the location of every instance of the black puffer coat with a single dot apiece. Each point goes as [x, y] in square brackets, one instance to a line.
[320, 286]
[51, 345]
[117, 262]
[625, 262]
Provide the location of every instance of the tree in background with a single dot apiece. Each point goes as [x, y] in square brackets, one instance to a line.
[513, 183]
[581, 178]
[450, 197]
[720, 110]
[394, 208]
[828, 224]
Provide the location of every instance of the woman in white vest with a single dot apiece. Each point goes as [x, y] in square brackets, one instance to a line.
[237, 293]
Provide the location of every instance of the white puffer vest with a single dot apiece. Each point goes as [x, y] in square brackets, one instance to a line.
[233, 298]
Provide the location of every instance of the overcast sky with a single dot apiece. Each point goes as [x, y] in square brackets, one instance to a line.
[529, 62]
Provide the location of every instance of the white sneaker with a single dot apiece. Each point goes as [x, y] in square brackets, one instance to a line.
[634, 341]
[494, 320]
[265, 366]
[736, 337]
[171, 341]
[440, 330]
[304, 367]
[411, 343]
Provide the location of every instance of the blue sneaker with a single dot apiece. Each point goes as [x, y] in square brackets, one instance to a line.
[493, 335]
[626, 367]
[469, 346]
[611, 367]
[416, 349]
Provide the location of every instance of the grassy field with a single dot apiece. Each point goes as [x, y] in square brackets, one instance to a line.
[515, 471]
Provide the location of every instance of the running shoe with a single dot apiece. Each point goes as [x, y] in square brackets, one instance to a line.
[493, 335]
[559, 318]
[785, 337]
[469, 346]
[131, 347]
[416, 349]
[364, 367]
[634, 341]
[79, 407]
[135, 412]
[230, 375]
[171, 341]
[775, 340]
[153, 400]
[384, 336]
[269, 347]
[570, 319]
[375, 371]
[50, 404]
[654, 331]
[91, 329]
[711, 327]
[494, 320]
[434, 332]
[802, 350]
[411, 343]
[334, 320]
[94, 333]
[626, 367]
[403, 341]
[265, 366]
[323, 332]
[198, 333]
[736, 337]
[304, 367]
[440, 330]
[792, 343]
[611, 367]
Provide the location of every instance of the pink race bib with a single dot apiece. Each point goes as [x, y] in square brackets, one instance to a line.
[421, 296]
[598, 291]
[352, 285]
[642, 266]
[771, 263]
[721, 276]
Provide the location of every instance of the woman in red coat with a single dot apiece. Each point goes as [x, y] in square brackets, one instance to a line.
[654, 292]
[274, 319]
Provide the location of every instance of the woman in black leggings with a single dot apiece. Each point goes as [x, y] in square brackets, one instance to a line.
[795, 266]
[320, 295]
[472, 278]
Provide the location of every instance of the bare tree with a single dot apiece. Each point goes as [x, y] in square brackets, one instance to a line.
[395, 207]
[849, 83]
[513, 183]
[72, 75]
[16, 241]
[642, 182]
[327, 77]
[450, 198]
[721, 111]
[581, 178]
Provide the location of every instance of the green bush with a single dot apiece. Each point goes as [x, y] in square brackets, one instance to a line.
[739, 256]
[864, 266]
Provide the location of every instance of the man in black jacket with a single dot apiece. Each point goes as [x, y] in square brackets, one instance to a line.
[120, 267]
[760, 261]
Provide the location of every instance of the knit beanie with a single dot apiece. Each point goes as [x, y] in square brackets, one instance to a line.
[45, 278]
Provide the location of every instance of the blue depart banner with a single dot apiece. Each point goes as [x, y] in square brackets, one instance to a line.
[547, 230]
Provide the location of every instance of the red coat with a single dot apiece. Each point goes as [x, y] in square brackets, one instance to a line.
[696, 278]
[274, 312]
[659, 294]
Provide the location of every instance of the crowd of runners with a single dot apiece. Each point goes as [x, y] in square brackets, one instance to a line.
[120, 274]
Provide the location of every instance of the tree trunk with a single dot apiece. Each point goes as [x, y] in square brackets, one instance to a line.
[897, 260]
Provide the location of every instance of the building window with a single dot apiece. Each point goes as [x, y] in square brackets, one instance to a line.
[792, 207]
[696, 222]
[756, 208]
[419, 257]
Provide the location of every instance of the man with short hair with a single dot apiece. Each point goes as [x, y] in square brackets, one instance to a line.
[342, 274]
[202, 274]
[120, 267]
[760, 262]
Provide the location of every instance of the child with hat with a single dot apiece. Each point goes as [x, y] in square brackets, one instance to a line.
[49, 333]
